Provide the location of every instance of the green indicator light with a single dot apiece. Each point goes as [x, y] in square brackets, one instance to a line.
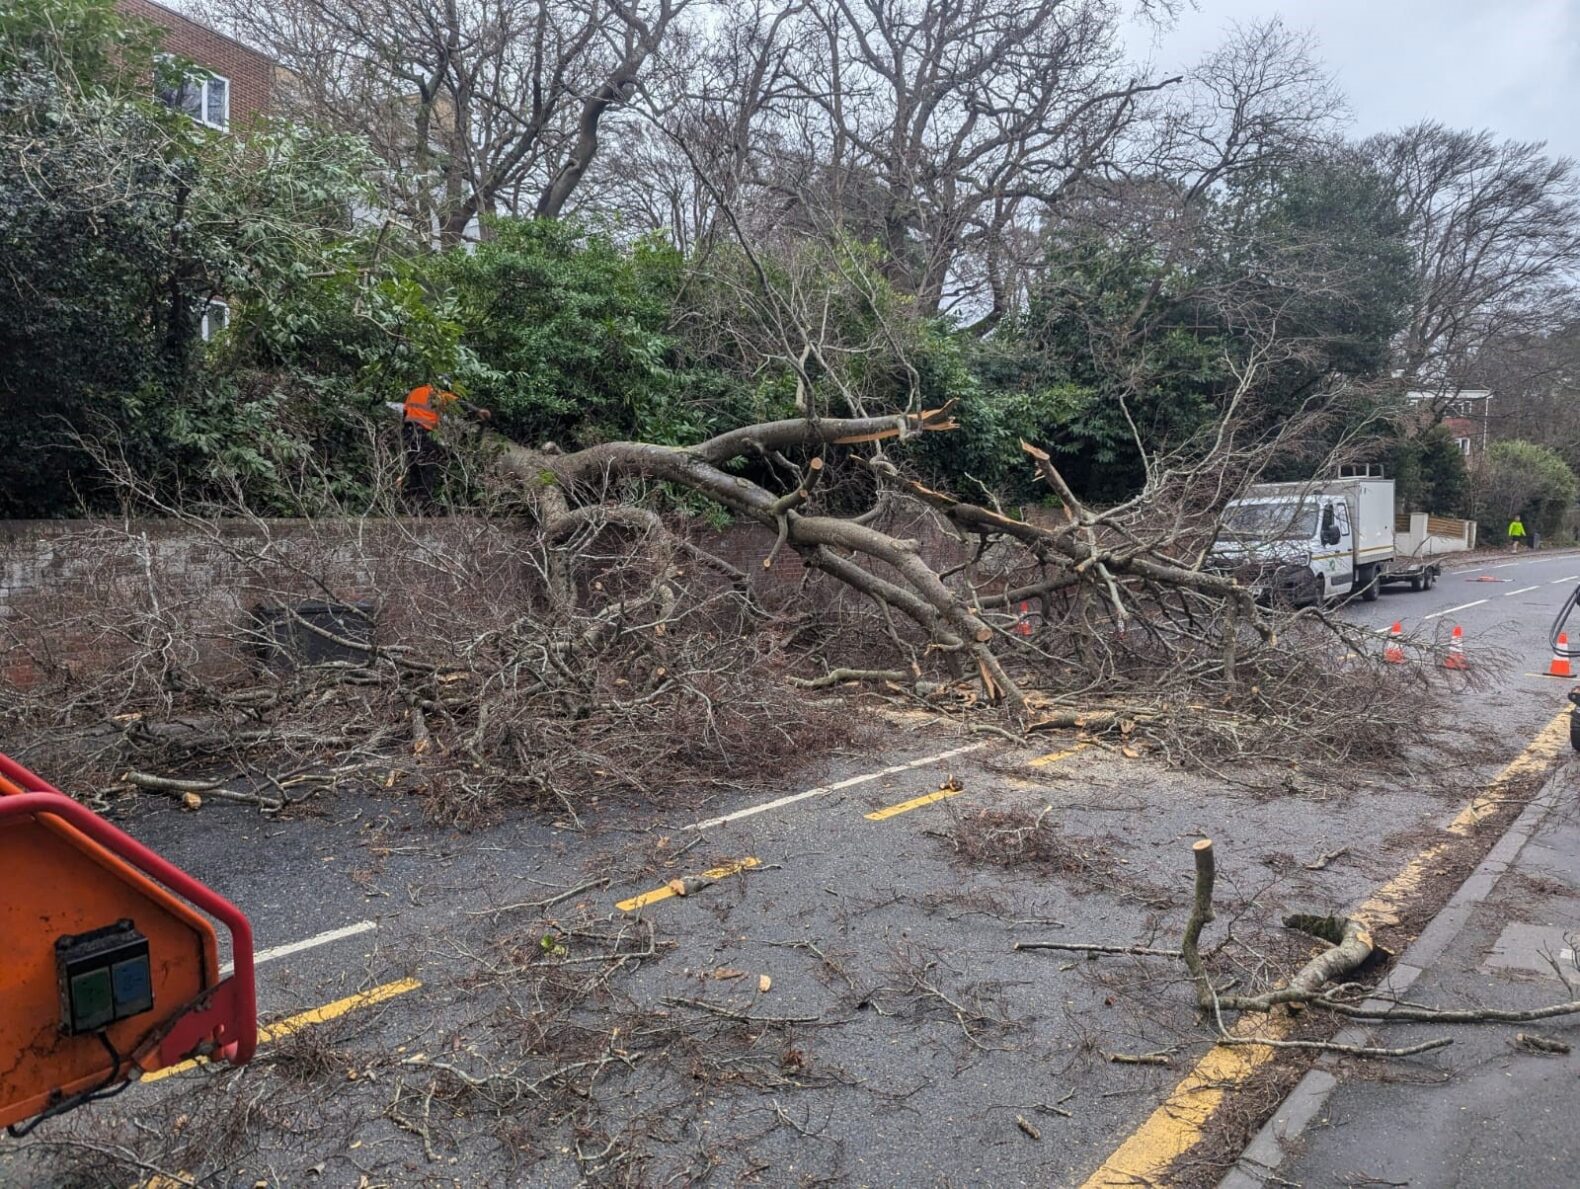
[92, 1003]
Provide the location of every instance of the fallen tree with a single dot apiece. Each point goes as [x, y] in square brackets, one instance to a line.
[1134, 627]
[188, 664]
[593, 643]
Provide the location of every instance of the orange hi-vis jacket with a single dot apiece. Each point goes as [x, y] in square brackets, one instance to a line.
[425, 403]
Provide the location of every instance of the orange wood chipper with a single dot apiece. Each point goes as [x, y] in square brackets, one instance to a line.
[109, 965]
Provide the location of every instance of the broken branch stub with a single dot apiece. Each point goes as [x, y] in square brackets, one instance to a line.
[1201, 916]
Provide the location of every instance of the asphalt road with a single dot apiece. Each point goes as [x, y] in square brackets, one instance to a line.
[900, 1041]
[1504, 606]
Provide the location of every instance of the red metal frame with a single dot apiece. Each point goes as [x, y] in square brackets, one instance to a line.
[227, 1013]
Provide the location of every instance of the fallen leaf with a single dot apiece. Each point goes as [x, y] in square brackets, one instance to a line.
[1532, 1043]
[1130, 753]
[191, 801]
[1020, 1121]
[678, 886]
[727, 972]
[763, 984]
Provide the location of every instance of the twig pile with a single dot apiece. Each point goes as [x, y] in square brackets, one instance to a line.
[445, 667]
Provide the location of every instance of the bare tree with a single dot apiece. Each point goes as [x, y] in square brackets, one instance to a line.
[705, 122]
[474, 106]
[1495, 227]
[937, 131]
[964, 114]
[1536, 379]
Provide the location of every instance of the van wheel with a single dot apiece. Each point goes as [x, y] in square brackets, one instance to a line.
[1372, 590]
[1418, 583]
[1574, 729]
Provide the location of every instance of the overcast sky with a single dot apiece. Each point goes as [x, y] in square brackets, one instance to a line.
[1509, 65]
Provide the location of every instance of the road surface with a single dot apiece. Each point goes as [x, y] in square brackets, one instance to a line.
[864, 1018]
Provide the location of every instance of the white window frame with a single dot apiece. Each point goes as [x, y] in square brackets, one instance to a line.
[1463, 444]
[201, 78]
[208, 81]
[208, 325]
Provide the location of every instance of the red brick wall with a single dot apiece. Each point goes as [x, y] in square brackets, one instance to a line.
[76, 593]
[61, 581]
[251, 74]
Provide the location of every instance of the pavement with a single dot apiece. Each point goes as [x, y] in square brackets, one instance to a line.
[897, 1039]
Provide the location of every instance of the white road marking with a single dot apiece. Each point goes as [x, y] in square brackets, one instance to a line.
[1451, 610]
[1561, 581]
[1523, 590]
[825, 789]
[1503, 565]
[307, 943]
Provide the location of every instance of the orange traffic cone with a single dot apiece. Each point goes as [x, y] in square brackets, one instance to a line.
[1561, 666]
[1023, 624]
[1393, 651]
[1456, 650]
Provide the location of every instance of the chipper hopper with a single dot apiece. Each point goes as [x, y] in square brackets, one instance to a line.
[109, 962]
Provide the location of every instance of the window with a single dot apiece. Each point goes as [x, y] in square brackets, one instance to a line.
[1271, 521]
[1463, 444]
[203, 96]
[216, 315]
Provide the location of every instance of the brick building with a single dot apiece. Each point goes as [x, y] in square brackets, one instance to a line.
[1466, 412]
[242, 80]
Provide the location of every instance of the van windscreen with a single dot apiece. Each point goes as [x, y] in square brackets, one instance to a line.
[1283, 520]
